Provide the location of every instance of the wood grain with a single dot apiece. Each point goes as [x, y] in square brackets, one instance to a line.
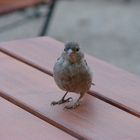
[33, 91]
[17, 124]
[113, 85]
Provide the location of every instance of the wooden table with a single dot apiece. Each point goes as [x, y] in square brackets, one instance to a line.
[110, 110]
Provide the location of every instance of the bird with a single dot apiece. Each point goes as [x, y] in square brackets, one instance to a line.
[72, 74]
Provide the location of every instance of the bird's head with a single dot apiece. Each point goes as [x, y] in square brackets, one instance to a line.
[73, 52]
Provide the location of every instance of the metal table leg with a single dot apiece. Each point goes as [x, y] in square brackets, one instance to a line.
[48, 18]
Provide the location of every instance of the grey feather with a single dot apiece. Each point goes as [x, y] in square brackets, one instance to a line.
[72, 75]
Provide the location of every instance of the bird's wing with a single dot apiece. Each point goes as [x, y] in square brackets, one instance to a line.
[87, 65]
[58, 58]
[85, 62]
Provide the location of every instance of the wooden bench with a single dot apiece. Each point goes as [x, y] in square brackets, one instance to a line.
[110, 110]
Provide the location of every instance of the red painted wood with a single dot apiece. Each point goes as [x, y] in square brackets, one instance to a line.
[17, 124]
[94, 119]
[112, 83]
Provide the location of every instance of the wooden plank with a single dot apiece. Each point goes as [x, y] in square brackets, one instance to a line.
[17, 124]
[113, 85]
[33, 91]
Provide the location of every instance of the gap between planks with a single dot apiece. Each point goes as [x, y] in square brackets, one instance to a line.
[39, 115]
[93, 93]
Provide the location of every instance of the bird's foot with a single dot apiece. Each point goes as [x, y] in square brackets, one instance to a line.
[61, 101]
[73, 106]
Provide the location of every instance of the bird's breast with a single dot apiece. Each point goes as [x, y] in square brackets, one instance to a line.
[72, 77]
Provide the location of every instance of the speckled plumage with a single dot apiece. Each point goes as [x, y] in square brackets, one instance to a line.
[71, 72]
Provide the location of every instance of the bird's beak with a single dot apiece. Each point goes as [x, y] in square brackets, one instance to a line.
[69, 51]
[72, 55]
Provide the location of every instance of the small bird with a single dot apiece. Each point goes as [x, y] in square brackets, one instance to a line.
[72, 74]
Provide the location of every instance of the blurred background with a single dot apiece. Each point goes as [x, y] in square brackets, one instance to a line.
[106, 29]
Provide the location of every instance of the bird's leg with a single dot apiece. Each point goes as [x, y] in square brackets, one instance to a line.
[63, 100]
[76, 104]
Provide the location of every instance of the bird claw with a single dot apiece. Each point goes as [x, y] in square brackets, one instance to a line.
[54, 103]
[61, 101]
[75, 105]
[69, 99]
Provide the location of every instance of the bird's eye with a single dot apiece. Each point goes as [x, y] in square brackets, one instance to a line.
[77, 49]
[66, 49]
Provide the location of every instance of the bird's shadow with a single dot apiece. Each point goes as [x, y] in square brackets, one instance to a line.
[83, 112]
